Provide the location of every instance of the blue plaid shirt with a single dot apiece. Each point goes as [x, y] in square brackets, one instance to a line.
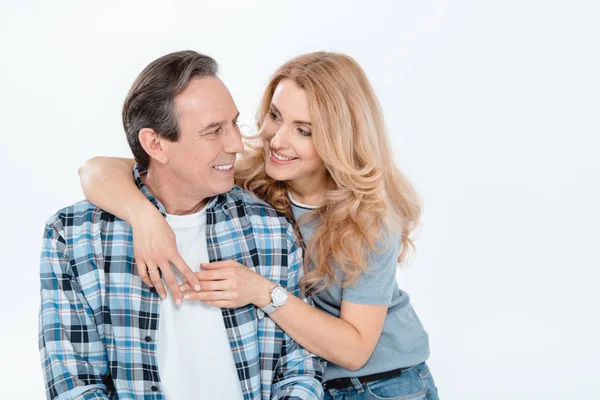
[98, 321]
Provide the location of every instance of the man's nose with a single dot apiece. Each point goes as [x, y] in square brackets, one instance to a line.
[232, 142]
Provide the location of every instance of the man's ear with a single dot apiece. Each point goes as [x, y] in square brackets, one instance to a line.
[153, 144]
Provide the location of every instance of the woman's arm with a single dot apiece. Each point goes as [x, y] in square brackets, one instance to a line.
[348, 341]
[108, 183]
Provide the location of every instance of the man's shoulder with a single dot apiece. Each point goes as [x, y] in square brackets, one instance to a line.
[78, 216]
[254, 206]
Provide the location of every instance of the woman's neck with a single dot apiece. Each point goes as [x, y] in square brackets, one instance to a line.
[309, 191]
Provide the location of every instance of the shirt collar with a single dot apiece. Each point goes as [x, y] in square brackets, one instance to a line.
[222, 201]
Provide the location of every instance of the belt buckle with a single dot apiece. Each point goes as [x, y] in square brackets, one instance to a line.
[335, 383]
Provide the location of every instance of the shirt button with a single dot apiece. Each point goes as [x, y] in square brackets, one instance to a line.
[148, 339]
[154, 389]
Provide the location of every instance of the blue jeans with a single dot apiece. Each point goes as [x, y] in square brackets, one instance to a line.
[415, 383]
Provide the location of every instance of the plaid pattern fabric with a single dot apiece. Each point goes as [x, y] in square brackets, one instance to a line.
[98, 321]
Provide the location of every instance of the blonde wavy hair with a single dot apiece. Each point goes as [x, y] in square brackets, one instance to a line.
[368, 197]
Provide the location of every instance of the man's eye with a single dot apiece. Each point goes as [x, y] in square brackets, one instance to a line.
[216, 132]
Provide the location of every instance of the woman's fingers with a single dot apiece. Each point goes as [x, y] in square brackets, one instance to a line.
[171, 281]
[210, 286]
[219, 285]
[215, 275]
[154, 273]
[184, 287]
[143, 273]
[186, 272]
[214, 295]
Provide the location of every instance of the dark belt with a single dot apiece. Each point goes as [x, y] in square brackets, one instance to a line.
[343, 383]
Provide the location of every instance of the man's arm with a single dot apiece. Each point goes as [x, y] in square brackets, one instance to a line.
[299, 373]
[73, 356]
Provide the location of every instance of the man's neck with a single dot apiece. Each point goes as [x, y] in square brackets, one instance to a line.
[176, 196]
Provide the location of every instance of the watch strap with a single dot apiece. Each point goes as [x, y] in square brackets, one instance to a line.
[269, 308]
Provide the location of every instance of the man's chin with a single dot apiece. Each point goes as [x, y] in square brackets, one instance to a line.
[224, 188]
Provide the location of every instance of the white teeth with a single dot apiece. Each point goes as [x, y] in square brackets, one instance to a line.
[282, 158]
[223, 167]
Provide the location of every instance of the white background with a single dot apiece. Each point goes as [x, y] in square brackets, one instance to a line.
[493, 111]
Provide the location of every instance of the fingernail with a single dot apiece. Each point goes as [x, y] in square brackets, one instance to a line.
[163, 296]
[178, 301]
[197, 287]
[186, 296]
[181, 288]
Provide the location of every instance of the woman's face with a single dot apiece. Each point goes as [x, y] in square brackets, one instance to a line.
[290, 153]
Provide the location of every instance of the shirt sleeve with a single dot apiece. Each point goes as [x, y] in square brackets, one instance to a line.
[376, 285]
[298, 373]
[71, 350]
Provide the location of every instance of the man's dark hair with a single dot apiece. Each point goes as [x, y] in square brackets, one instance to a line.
[150, 102]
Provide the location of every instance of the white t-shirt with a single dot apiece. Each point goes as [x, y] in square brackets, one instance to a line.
[194, 356]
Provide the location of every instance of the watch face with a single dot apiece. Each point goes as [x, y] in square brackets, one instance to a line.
[279, 296]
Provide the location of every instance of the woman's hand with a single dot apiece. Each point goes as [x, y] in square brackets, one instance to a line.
[155, 250]
[108, 183]
[229, 284]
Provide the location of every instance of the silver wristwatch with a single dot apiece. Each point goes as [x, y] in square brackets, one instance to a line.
[279, 297]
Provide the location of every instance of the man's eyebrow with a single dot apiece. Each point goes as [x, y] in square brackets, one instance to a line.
[299, 122]
[213, 125]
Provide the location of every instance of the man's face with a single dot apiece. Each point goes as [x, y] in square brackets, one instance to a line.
[209, 138]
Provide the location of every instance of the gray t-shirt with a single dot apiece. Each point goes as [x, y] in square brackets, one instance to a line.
[403, 341]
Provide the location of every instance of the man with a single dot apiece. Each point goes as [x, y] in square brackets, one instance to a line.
[104, 334]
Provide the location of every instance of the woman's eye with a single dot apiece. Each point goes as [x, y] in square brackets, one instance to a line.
[303, 132]
[273, 116]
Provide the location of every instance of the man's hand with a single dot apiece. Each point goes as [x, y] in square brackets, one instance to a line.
[229, 284]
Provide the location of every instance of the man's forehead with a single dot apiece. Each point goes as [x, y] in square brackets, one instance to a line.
[207, 95]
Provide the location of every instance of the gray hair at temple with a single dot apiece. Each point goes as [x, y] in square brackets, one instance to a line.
[150, 102]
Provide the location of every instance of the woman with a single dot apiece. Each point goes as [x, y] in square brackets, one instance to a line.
[323, 159]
